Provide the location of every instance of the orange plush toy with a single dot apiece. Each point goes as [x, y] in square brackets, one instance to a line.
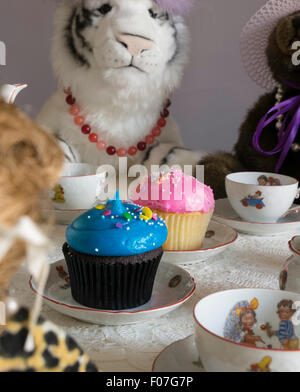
[30, 162]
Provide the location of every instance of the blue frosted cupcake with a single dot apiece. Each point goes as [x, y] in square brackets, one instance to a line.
[113, 253]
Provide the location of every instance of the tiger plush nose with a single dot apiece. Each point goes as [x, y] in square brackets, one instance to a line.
[134, 44]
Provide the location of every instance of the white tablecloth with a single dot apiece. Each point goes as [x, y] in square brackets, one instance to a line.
[250, 262]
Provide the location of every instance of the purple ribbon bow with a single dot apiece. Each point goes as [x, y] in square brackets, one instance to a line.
[287, 133]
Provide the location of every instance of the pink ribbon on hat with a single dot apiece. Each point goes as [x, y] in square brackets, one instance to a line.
[290, 108]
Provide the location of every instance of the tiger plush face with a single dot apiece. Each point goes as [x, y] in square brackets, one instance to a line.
[119, 60]
[132, 44]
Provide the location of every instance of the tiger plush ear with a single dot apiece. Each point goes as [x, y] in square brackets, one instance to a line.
[177, 7]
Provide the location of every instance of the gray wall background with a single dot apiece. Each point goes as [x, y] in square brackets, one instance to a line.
[216, 92]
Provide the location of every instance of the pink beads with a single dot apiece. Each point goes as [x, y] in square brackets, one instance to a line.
[101, 145]
[74, 110]
[156, 131]
[161, 122]
[122, 152]
[93, 138]
[132, 150]
[79, 120]
[149, 139]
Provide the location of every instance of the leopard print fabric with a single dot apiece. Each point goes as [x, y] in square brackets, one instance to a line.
[54, 350]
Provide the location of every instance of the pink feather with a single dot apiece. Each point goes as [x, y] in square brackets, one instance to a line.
[179, 7]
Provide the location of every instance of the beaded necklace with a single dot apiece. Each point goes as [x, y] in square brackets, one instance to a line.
[101, 144]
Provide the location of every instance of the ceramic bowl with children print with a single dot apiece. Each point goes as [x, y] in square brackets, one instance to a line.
[78, 188]
[249, 330]
[261, 197]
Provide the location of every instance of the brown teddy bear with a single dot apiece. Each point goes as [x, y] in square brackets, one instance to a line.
[268, 139]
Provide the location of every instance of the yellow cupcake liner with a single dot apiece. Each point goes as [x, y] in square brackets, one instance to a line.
[186, 230]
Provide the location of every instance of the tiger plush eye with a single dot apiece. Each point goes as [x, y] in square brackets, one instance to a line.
[161, 16]
[105, 9]
[153, 14]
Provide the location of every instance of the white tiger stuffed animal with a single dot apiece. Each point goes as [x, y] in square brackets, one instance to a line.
[117, 63]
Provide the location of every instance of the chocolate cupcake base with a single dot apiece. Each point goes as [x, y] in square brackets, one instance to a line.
[112, 283]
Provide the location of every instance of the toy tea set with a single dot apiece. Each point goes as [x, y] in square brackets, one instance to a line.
[254, 329]
[258, 207]
[78, 189]
[121, 267]
[113, 251]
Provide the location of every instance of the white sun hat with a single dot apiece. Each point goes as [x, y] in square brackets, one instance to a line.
[255, 36]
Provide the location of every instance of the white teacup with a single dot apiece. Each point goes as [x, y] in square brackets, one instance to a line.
[238, 331]
[78, 188]
[254, 201]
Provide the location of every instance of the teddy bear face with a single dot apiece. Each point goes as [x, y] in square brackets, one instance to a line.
[125, 43]
[280, 51]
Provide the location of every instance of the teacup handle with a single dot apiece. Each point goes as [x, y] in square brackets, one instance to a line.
[295, 209]
[101, 170]
[291, 211]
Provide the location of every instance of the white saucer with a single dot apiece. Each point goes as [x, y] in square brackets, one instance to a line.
[64, 217]
[181, 356]
[218, 238]
[173, 286]
[226, 215]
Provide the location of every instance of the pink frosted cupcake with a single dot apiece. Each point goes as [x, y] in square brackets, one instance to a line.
[185, 204]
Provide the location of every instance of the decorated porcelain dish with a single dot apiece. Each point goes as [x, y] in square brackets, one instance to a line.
[180, 356]
[248, 330]
[261, 197]
[172, 288]
[225, 214]
[79, 187]
[218, 238]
